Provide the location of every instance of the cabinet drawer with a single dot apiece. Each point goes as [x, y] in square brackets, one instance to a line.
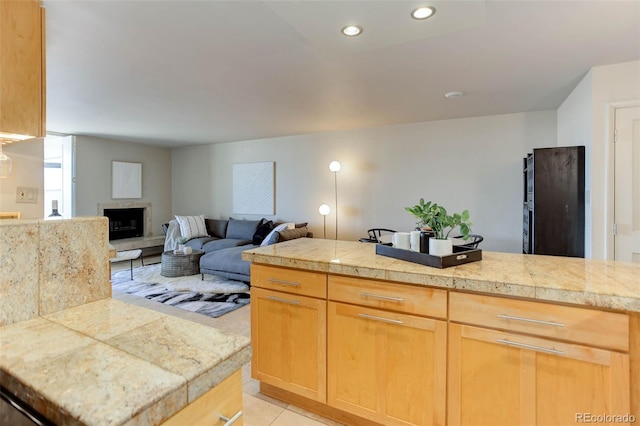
[305, 283]
[215, 407]
[580, 325]
[391, 296]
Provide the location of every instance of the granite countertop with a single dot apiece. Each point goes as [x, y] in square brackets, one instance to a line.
[598, 283]
[111, 363]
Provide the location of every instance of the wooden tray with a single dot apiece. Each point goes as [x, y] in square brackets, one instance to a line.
[460, 256]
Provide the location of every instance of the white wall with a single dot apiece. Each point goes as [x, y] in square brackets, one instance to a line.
[575, 124]
[28, 171]
[601, 86]
[93, 176]
[471, 163]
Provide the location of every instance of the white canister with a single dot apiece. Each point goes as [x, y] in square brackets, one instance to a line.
[187, 250]
[414, 240]
[402, 240]
[440, 247]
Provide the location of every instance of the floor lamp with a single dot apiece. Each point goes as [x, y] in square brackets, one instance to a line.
[324, 210]
[335, 167]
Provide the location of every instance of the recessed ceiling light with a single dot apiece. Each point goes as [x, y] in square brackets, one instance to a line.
[454, 94]
[423, 12]
[352, 30]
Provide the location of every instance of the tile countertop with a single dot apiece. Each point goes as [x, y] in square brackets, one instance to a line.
[598, 283]
[111, 363]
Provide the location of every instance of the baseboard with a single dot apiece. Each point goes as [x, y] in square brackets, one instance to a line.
[315, 406]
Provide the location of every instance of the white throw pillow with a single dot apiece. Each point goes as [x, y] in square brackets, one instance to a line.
[192, 226]
[271, 238]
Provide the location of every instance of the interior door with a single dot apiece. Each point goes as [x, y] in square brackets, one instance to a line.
[627, 185]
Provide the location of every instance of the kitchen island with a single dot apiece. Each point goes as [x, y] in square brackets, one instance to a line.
[511, 339]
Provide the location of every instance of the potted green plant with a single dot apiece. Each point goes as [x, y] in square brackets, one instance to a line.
[435, 217]
[181, 244]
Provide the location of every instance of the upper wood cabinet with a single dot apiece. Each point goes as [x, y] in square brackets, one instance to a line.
[22, 68]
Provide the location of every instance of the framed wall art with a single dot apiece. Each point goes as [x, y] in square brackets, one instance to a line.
[126, 180]
[254, 188]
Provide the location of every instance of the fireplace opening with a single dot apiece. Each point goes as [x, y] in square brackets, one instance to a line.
[125, 223]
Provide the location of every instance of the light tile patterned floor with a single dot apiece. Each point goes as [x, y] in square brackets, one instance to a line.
[258, 409]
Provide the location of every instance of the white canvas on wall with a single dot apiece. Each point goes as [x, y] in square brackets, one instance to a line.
[126, 180]
[254, 188]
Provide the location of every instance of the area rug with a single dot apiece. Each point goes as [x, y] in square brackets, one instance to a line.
[215, 296]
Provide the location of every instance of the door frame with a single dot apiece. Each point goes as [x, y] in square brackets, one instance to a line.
[609, 213]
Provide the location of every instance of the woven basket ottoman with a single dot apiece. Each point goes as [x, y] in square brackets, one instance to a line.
[178, 265]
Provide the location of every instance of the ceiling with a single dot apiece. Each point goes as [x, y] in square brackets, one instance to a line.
[175, 73]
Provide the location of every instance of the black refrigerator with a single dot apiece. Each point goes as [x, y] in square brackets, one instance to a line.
[553, 213]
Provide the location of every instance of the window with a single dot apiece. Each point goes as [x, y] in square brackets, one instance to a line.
[59, 173]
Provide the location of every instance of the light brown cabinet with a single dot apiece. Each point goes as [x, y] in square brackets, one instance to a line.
[219, 406]
[386, 366]
[386, 359]
[364, 351]
[22, 68]
[408, 299]
[538, 364]
[288, 332]
[498, 378]
[577, 325]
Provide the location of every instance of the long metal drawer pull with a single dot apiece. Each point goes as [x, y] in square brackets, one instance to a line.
[293, 283]
[535, 321]
[535, 348]
[379, 296]
[232, 420]
[373, 317]
[277, 299]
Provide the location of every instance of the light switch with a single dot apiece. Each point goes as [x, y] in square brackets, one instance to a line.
[26, 195]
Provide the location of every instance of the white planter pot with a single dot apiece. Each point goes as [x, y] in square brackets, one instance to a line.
[440, 247]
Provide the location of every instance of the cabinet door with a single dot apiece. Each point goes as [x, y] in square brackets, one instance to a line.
[386, 367]
[498, 378]
[288, 334]
[214, 408]
[22, 68]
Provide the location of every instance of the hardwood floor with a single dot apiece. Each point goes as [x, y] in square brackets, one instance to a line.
[259, 410]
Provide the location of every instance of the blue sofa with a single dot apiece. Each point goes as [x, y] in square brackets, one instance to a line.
[229, 238]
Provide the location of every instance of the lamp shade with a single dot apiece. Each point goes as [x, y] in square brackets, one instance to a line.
[334, 166]
[6, 165]
[324, 209]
